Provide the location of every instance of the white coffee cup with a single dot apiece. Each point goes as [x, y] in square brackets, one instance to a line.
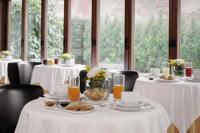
[131, 98]
[196, 74]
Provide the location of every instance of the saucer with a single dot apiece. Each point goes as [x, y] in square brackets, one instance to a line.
[192, 80]
[123, 104]
[51, 96]
[146, 106]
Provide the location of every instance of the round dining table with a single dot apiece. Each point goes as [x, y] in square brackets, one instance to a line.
[49, 76]
[37, 118]
[180, 98]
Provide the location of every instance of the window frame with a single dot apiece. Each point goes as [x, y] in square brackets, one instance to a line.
[129, 62]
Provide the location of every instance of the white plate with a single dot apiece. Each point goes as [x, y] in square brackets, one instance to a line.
[170, 81]
[192, 80]
[145, 107]
[69, 111]
[122, 104]
[84, 99]
[54, 97]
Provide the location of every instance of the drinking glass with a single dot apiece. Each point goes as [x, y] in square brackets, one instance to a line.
[188, 69]
[155, 72]
[56, 61]
[118, 86]
[166, 68]
[74, 89]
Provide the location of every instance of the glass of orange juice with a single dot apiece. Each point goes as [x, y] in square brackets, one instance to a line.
[74, 89]
[118, 86]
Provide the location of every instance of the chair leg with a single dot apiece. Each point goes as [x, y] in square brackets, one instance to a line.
[195, 127]
[172, 129]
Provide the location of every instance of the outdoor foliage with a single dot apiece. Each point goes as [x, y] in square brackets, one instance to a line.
[151, 38]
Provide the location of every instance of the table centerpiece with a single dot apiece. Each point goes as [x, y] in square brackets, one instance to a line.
[178, 66]
[5, 55]
[97, 84]
[68, 59]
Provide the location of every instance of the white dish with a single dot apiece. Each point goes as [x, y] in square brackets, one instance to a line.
[54, 96]
[84, 99]
[123, 104]
[69, 111]
[164, 80]
[192, 80]
[145, 107]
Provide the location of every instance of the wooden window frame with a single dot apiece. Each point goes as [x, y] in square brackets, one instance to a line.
[44, 29]
[174, 30]
[24, 30]
[129, 34]
[5, 24]
[95, 34]
[67, 26]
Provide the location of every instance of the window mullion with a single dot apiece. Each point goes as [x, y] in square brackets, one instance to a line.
[174, 28]
[95, 33]
[44, 28]
[67, 26]
[24, 36]
[129, 34]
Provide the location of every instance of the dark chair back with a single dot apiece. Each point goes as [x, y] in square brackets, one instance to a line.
[13, 73]
[25, 72]
[19, 73]
[12, 100]
[130, 78]
[83, 78]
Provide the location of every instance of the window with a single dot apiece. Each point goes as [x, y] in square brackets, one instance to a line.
[151, 33]
[34, 35]
[190, 31]
[55, 27]
[15, 28]
[112, 34]
[81, 30]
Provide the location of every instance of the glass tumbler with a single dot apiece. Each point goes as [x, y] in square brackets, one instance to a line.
[118, 86]
[74, 89]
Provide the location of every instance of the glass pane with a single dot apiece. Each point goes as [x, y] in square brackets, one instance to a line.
[15, 28]
[151, 33]
[81, 30]
[34, 34]
[112, 34]
[55, 27]
[190, 31]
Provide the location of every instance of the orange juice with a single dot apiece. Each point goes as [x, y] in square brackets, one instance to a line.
[117, 91]
[74, 93]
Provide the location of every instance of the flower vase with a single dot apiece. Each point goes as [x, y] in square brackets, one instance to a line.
[179, 71]
[97, 90]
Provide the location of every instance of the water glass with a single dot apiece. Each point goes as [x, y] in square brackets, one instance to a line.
[155, 72]
[74, 89]
[166, 68]
[118, 86]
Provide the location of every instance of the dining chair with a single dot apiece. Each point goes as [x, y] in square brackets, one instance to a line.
[14, 96]
[83, 78]
[130, 78]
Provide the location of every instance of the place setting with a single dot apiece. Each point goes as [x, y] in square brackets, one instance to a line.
[68, 98]
[174, 71]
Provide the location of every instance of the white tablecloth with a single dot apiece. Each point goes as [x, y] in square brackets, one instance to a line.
[180, 99]
[35, 118]
[48, 76]
[4, 66]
